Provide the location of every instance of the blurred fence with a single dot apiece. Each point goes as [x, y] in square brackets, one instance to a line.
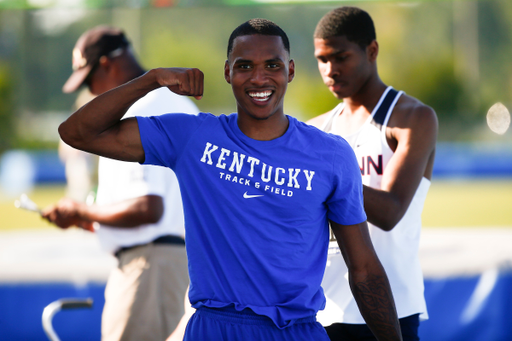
[473, 160]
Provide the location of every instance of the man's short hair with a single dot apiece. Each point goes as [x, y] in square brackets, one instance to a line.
[352, 22]
[259, 26]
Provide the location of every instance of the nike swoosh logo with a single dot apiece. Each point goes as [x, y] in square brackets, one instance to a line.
[249, 196]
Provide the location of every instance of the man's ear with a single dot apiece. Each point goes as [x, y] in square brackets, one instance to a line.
[291, 70]
[372, 50]
[227, 72]
[105, 64]
[104, 61]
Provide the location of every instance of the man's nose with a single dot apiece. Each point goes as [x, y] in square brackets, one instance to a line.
[330, 70]
[259, 76]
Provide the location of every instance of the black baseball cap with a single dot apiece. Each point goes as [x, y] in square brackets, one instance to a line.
[89, 48]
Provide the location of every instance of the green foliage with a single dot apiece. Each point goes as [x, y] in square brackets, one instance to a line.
[495, 51]
[6, 108]
[435, 85]
[35, 144]
[418, 54]
[181, 39]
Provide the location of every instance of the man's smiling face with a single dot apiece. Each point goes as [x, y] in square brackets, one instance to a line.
[259, 70]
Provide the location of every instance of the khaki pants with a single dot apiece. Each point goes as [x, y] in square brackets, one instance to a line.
[145, 294]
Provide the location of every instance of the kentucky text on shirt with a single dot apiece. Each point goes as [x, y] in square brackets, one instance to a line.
[270, 176]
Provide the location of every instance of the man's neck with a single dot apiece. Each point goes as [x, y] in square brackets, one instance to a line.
[264, 130]
[368, 96]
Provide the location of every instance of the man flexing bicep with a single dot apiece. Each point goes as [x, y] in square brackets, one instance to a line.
[98, 127]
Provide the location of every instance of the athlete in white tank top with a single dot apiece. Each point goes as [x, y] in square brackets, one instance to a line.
[397, 249]
[394, 137]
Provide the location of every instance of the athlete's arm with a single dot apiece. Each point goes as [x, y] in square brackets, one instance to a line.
[414, 128]
[98, 127]
[129, 213]
[368, 280]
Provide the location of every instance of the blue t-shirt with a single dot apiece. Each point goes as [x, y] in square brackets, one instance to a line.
[256, 212]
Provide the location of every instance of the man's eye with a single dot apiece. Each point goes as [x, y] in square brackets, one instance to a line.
[272, 65]
[244, 66]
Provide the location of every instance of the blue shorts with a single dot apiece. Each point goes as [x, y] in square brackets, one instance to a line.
[227, 324]
[360, 332]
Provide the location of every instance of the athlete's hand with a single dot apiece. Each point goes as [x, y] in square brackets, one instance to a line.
[182, 81]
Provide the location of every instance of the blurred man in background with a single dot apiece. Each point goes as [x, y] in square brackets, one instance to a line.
[138, 215]
[81, 167]
[394, 137]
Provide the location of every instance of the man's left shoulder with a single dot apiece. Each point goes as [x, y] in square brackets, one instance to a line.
[326, 143]
[410, 111]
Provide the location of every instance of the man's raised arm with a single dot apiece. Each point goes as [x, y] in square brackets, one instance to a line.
[98, 126]
[368, 281]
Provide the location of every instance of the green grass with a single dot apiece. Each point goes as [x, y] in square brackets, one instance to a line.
[13, 218]
[448, 204]
[469, 204]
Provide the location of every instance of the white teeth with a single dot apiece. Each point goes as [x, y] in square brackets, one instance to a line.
[260, 96]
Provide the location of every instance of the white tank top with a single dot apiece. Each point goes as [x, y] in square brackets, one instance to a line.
[396, 249]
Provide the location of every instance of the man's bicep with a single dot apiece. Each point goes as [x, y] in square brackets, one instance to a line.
[121, 142]
[415, 147]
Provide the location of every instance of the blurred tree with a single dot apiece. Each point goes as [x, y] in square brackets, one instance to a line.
[495, 37]
[191, 38]
[418, 52]
[7, 131]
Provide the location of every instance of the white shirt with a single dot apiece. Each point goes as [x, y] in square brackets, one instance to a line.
[397, 249]
[119, 181]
